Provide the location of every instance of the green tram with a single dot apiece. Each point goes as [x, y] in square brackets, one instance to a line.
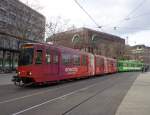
[129, 65]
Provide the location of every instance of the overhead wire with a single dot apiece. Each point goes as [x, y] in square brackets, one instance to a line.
[138, 16]
[137, 7]
[127, 18]
[134, 28]
[94, 21]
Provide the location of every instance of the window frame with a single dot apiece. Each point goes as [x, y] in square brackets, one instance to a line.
[48, 53]
[66, 59]
[84, 60]
[76, 60]
[55, 54]
[41, 60]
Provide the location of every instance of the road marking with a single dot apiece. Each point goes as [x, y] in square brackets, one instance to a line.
[34, 94]
[54, 99]
[14, 99]
[38, 93]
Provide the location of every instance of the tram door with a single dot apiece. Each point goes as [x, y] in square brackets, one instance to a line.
[106, 69]
[39, 68]
[92, 65]
[55, 62]
[52, 64]
[48, 67]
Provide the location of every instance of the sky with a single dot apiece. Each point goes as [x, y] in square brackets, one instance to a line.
[129, 19]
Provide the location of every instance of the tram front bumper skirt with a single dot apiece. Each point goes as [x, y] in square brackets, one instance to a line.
[22, 79]
[16, 79]
[25, 81]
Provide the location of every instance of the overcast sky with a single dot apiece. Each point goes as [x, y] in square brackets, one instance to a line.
[130, 17]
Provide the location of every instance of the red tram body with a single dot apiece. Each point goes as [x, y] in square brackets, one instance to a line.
[42, 63]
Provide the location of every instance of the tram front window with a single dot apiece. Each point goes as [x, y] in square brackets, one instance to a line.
[26, 56]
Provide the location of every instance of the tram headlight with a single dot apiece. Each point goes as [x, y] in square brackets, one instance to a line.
[18, 72]
[29, 73]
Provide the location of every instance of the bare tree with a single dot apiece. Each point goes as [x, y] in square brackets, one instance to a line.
[57, 25]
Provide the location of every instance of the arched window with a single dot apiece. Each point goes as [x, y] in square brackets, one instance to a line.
[76, 38]
[94, 37]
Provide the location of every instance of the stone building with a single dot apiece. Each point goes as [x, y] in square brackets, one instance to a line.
[92, 41]
[18, 24]
[138, 52]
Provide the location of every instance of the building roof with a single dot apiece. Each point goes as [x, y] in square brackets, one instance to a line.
[105, 35]
[102, 35]
[140, 45]
[33, 10]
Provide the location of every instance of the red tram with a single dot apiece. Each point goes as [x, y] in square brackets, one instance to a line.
[43, 63]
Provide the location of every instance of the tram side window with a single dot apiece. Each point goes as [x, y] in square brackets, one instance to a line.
[84, 60]
[125, 65]
[113, 64]
[39, 57]
[119, 64]
[66, 59]
[48, 56]
[76, 59]
[99, 62]
[55, 58]
[133, 65]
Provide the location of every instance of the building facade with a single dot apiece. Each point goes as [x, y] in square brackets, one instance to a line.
[91, 41]
[138, 52]
[18, 24]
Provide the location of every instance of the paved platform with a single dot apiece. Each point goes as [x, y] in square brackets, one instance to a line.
[6, 78]
[137, 100]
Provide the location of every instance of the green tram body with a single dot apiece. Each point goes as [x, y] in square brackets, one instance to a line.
[129, 65]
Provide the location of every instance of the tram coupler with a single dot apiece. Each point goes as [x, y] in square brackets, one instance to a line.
[22, 82]
[17, 81]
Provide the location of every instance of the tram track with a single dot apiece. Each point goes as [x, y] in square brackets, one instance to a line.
[58, 87]
[87, 99]
[72, 94]
[67, 90]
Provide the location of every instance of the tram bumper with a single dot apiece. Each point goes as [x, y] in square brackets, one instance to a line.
[16, 79]
[22, 81]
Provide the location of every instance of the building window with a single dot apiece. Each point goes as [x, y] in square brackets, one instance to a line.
[94, 38]
[6, 43]
[15, 44]
[3, 3]
[7, 59]
[12, 17]
[3, 13]
[2, 24]
[15, 60]
[76, 38]
[1, 43]
[1, 60]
